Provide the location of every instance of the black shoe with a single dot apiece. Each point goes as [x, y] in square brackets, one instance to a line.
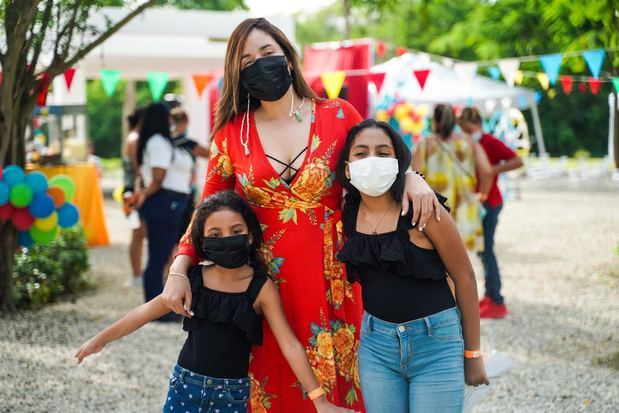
[170, 318]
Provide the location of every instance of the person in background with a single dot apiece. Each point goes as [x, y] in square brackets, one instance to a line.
[166, 174]
[452, 163]
[180, 122]
[130, 166]
[94, 159]
[502, 159]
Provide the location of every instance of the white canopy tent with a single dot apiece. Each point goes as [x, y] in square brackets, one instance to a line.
[444, 85]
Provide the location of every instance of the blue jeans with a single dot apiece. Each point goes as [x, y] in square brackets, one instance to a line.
[491, 266]
[413, 367]
[194, 393]
[162, 213]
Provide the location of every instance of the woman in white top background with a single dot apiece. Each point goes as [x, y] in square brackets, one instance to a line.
[165, 172]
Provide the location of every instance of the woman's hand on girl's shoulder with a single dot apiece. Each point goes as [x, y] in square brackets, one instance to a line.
[92, 346]
[475, 372]
[423, 199]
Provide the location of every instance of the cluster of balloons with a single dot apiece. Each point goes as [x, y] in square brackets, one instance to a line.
[36, 207]
[405, 117]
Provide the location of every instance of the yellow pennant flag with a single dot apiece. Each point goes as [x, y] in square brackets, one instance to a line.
[333, 82]
[543, 80]
[518, 77]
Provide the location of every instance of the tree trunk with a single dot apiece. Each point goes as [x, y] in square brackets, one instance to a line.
[7, 249]
[13, 122]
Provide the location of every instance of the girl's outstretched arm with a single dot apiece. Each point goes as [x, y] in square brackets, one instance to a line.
[448, 243]
[135, 319]
[271, 305]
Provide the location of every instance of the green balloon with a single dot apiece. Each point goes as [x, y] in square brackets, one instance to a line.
[65, 183]
[21, 195]
[42, 237]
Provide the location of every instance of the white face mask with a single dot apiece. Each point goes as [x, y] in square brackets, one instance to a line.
[373, 175]
[476, 136]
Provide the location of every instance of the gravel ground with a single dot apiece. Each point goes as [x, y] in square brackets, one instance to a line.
[557, 251]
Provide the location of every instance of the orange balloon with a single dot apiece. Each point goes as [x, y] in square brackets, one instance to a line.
[57, 195]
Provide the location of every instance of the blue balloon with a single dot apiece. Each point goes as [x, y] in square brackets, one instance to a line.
[24, 239]
[12, 175]
[68, 215]
[37, 181]
[4, 193]
[41, 206]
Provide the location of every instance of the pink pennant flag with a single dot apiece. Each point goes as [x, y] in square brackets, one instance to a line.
[68, 77]
[594, 85]
[422, 77]
[566, 83]
[377, 79]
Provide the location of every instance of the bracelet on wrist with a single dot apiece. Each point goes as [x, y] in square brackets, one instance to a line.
[178, 274]
[316, 393]
[472, 354]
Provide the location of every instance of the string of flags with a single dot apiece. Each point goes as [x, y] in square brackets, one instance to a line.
[333, 81]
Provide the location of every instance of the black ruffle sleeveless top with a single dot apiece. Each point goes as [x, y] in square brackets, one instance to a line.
[223, 328]
[400, 281]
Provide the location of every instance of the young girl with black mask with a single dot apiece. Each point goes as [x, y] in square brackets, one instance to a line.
[412, 355]
[232, 294]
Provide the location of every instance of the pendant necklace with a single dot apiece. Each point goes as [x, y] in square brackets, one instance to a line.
[297, 112]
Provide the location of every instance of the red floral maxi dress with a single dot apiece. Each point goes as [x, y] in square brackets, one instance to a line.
[302, 233]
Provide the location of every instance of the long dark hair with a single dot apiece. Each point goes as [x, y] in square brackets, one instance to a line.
[231, 201]
[402, 154]
[155, 120]
[233, 98]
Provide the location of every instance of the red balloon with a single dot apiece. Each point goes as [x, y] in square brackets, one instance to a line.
[57, 195]
[22, 219]
[6, 211]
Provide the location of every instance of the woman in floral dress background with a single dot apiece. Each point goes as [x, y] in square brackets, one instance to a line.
[277, 144]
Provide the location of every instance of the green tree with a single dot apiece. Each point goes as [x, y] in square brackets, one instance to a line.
[29, 29]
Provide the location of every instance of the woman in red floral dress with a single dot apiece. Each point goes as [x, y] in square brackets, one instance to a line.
[277, 144]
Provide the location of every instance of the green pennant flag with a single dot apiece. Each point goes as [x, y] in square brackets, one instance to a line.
[157, 81]
[616, 84]
[109, 79]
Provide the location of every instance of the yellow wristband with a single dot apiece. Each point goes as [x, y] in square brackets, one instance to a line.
[472, 354]
[316, 393]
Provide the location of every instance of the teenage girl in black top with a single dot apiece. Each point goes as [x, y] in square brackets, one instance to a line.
[412, 356]
[232, 293]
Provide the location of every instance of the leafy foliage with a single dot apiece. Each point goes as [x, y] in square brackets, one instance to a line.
[45, 273]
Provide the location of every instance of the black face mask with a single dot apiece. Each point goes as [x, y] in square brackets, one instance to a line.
[227, 252]
[268, 78]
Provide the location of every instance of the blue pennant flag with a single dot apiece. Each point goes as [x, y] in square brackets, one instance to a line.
[538, 96]
[551, 63]
[494, 72]
[595, 60]
[522, 101]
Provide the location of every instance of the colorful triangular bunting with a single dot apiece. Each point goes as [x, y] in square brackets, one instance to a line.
[566, 83]
[595, 60]
[201, 81]
[333, 82]
[551, 63]
[68, 77]
[109, 80]
[421, 76]
[157, 82]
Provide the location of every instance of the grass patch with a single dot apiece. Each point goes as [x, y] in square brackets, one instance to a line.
[611, 361]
